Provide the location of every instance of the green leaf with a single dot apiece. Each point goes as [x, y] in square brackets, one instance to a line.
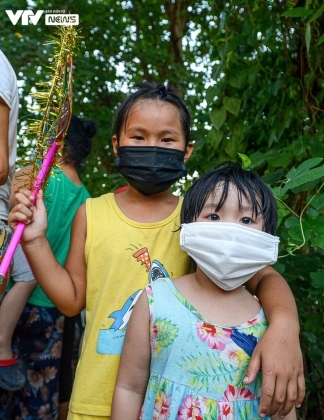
[246, 161]
[237, 133]
[316, 145]
[315, 225]
[308, 36]
[236, 81]
[278, 192]
[317, 14]
[258, 159]
[272, 177]
[304, 166]
[273, 158]
[292, 222]
[310, 212]
[218, 117]
[214, 137]
[309, 337]
[279, 160]
[279, 267]
[317, 242]
[317, 279]
[321, 39]
[308, 186]
[232, 105]
[297, 12]
[282, 212]
[313, 229]
[304, 173]
[295, 236]
[211, 93]
[315, 325]
[311, 175]
[318, 203]
[232, 146]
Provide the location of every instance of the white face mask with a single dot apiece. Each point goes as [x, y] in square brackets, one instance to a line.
[228, 253]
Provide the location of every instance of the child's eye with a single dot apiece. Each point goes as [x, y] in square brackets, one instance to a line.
[213, 216]
[138, 137]
[166, 140]
[246, 220]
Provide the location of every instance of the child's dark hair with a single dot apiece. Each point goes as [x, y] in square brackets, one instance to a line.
[77, 142]
[152, 91]
[248, 183]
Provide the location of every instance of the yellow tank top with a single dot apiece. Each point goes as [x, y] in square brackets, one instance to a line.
[122, 256]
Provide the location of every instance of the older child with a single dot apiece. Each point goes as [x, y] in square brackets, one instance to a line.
[10, 376]
[9, 105]
[190, 340]
[121, 242]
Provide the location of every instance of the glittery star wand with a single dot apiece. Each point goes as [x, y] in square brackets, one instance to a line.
[56, 103]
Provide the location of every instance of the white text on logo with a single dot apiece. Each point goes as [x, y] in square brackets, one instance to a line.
[66, 19]
[25, 15]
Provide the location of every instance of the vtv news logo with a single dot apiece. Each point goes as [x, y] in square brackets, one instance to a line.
[27, 16]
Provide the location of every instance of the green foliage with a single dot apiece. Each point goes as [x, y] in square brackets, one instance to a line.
[270, 66]
[302, 175]
[122, 43]
[301, 229]
[251, 72]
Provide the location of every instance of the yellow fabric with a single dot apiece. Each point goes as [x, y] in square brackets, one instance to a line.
[121, 257]
[75, 416]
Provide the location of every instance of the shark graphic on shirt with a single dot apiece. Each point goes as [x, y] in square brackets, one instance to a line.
[122, 315]
[110, 341]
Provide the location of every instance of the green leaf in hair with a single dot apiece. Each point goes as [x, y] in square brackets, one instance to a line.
[246, 161]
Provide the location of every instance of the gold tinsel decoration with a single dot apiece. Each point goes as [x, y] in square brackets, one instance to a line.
[52, 98]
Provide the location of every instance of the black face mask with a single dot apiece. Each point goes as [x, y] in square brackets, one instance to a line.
[150, 169]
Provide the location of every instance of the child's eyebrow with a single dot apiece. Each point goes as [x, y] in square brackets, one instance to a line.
[246, 208]
[250, 208]
[142, 129]
[135, 128]
[211, 205]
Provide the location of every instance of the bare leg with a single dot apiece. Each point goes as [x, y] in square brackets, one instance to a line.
[10, 310]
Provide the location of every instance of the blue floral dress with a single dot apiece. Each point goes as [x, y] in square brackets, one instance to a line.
[197, 368]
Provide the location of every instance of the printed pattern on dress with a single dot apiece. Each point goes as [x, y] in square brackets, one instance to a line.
[197, 368]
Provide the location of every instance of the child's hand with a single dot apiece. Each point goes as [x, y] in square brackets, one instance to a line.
[278, 354]
[35, 217]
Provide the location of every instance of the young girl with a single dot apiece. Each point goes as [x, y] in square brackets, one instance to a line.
[189, 340]
[120, 242]
[39, 336]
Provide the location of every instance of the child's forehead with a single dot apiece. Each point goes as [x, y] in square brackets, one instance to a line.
[234, 194]
[143, 104]
[154, 113]
[221, 186]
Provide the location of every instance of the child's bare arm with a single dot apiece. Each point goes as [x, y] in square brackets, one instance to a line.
[4, 148]
[66, 287]
[134, 368]
[278, 352]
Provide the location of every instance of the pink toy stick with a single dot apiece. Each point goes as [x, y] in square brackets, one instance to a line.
[37, 184]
